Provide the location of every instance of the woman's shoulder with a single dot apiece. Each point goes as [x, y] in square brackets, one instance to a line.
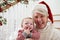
[56, 30]
[56, 34]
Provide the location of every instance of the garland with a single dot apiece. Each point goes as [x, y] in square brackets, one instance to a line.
[8, 3]
[5, 5]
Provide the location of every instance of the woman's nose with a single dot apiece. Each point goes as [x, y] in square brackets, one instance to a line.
[39, 19]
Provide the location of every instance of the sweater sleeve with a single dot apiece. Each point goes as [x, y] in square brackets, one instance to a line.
[20, 36]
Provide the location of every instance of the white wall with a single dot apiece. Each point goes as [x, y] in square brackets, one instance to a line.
[16, 13]
[54, 4]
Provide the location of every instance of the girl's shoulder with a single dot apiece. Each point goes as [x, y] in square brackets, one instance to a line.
[20, 31]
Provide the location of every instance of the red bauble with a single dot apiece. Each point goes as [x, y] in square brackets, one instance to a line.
[0, 23]
[1, 9]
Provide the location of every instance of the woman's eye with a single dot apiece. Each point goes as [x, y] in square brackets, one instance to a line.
[41, 16]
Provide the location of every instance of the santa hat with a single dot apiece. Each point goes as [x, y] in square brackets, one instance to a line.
[44, 9]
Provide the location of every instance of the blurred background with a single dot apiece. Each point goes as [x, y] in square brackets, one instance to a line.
[13, 14]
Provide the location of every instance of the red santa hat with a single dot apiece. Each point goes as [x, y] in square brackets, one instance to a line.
[44, 9]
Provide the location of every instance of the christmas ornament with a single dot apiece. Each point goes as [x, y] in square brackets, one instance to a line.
[0, 23]
[3, 21]
[25, 1]
[1, 9]
[5, 5]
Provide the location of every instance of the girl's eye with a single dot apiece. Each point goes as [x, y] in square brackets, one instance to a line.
[26, 23]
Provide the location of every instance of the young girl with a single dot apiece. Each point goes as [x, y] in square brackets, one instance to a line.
[28, 32]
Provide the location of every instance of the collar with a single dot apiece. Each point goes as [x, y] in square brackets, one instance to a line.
[47, 28]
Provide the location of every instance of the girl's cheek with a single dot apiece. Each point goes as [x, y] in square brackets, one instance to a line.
[26, 27]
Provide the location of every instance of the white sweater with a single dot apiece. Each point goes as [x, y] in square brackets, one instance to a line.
[49, 33]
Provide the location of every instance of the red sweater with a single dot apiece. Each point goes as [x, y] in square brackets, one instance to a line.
[35, 35]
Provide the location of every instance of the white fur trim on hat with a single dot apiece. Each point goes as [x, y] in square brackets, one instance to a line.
[41, 8]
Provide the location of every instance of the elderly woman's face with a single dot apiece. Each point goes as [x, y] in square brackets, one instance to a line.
[40, 20]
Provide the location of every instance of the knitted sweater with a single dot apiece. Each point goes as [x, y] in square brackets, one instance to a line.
[49, 33]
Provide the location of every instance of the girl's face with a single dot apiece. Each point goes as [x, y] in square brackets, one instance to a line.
[28, 24]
